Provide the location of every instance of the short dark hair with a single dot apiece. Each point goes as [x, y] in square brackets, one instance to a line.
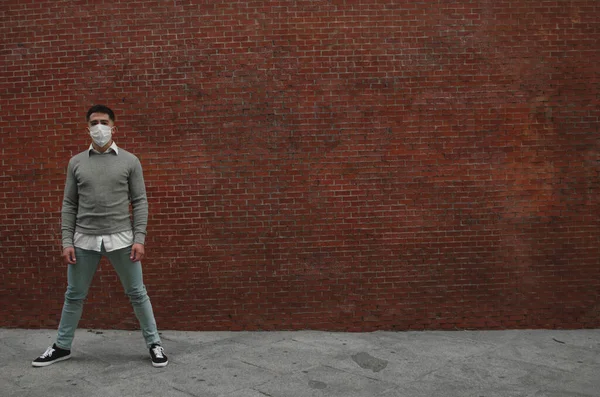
[100, 109]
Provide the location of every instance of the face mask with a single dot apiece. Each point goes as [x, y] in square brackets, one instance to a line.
[101, 134]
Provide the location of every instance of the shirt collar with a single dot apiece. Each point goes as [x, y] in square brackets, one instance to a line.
[112, 147]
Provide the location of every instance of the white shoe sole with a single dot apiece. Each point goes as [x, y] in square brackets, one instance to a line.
[35, 364]
[159, 365]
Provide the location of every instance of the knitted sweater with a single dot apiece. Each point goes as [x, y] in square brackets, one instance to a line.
[98, 192]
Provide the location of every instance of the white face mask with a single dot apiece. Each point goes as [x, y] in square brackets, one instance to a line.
[101, 134]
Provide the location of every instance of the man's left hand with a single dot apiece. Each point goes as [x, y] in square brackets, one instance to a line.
[137, 252]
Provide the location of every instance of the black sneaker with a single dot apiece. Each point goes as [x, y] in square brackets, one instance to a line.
[159, 359]
[52, 355]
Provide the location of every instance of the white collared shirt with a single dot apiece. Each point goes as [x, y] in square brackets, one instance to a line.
[111, 242]
[112, 147]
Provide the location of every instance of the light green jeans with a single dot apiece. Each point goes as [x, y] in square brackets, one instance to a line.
[80, 276]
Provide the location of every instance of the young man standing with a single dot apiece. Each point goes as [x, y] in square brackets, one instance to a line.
[101, 183]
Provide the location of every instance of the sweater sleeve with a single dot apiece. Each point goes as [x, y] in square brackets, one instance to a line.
[139, 202]
[69, 208]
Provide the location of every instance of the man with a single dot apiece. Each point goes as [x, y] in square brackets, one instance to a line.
[101, 183]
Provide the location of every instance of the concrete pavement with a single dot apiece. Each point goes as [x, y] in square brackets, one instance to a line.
[106, 363]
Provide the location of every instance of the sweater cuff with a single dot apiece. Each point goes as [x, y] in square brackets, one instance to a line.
[67, 242]
[139, 238]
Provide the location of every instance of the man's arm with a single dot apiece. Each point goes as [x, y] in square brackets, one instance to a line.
[69, 208]
[139, 203]
[69, 216]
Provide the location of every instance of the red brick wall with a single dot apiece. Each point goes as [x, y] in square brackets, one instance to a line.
[341, 165]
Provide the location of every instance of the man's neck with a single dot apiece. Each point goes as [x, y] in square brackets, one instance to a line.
[103, 148]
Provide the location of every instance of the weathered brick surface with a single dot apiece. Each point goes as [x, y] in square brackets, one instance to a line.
[342, 165]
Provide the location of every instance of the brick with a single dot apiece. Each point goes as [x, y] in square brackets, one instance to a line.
[328, 165]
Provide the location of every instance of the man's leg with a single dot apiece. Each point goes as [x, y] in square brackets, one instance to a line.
[130, 274]
[79, 278]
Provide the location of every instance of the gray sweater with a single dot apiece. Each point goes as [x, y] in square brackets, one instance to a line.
[98, 192]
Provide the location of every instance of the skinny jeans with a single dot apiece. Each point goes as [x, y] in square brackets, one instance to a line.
[80, 276]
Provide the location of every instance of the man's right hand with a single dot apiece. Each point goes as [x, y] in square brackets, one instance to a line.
[68, 255]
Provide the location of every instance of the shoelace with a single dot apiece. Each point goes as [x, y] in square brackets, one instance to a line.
[158, 351]
[48, 352]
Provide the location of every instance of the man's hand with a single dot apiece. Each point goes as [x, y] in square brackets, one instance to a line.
[68, 256]
[137, 252]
